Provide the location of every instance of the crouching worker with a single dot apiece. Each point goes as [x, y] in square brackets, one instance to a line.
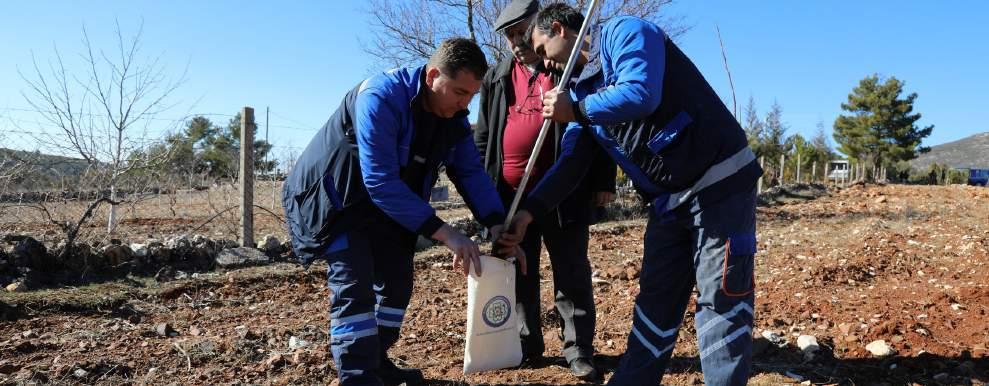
[358, 197]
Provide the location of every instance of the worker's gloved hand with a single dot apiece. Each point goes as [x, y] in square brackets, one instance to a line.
[465, 251]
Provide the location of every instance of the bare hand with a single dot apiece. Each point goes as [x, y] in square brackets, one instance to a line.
[495, 232]
[516, 231]
[558, 106]
[465, 251]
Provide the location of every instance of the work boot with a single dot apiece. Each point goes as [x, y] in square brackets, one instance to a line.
[392, 375]
[583, 368]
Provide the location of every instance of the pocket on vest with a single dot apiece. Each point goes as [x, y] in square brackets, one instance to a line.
[670, 132]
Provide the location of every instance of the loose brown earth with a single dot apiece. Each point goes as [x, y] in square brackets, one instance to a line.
[905, 264]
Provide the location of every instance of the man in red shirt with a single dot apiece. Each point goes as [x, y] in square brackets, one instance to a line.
[508, 124]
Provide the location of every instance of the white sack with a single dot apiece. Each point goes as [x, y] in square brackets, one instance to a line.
[492, 323]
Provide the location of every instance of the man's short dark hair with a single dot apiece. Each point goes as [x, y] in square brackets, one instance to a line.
[457, 54]
[568, 16]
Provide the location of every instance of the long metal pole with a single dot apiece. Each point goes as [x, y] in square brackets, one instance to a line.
[571, 63]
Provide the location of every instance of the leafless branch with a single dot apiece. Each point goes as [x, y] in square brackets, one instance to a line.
[407, 32]
[724, 56]
[95, 112]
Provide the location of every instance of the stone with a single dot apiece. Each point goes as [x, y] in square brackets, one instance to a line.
[80, 373]
[116, 254]
[881, 199]
[165, 274]
[240, 257]
[808, 344]
[17, 286]
[29, 252]
[164, 329]
[774, 338]
[880, 349]
[271, 246]
[295, 343]
[195, 331]
[139, 250]
[179, 242]
[245, 333]
[29, 334]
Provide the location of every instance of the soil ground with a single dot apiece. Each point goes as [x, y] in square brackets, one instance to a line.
[904, 264]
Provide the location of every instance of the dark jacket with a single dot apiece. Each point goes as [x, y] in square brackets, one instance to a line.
[644, 102]
[496, 88]
[380, 154]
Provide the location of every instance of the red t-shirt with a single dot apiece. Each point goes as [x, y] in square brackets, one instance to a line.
[525, 119]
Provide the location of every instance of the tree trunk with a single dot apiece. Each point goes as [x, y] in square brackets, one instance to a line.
[470, 20]
[111, 222]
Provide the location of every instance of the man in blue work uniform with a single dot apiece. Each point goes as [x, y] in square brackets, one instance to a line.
[358, 197]
[642, 100]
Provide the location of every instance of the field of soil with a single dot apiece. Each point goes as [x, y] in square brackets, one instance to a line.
[907, 265]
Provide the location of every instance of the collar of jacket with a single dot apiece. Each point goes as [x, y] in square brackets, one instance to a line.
[504, 68]
[420, 75]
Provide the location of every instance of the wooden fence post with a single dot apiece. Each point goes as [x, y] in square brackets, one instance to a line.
[762, 165]
[247, 177]
[782, 167]
[798, 167]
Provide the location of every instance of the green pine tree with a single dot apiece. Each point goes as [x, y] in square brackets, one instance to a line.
[881, 127]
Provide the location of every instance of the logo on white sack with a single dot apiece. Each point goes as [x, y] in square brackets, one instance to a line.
[496, 311]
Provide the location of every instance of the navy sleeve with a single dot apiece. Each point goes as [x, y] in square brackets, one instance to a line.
[576, 154]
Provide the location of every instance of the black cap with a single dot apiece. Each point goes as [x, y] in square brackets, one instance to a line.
[515, 12]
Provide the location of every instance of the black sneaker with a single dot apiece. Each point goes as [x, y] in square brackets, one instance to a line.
[584, 369]
[392, 375]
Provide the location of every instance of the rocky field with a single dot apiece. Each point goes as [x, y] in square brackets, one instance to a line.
[871, 284]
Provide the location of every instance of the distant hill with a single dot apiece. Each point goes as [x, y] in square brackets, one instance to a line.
[965, 153]
[46, 171]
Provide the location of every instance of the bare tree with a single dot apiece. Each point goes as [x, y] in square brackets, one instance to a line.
[408, 31]
[101, 113]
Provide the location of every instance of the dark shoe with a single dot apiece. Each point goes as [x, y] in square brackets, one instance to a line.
[583, 368]
[392, 375]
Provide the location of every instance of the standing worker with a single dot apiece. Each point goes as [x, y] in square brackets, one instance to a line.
[508, 123]
[359, 195]
[642, 100]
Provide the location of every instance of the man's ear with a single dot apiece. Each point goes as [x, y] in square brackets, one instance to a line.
[557, 29]
[431, 74]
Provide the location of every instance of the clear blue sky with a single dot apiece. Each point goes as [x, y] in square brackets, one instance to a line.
[300, 57]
